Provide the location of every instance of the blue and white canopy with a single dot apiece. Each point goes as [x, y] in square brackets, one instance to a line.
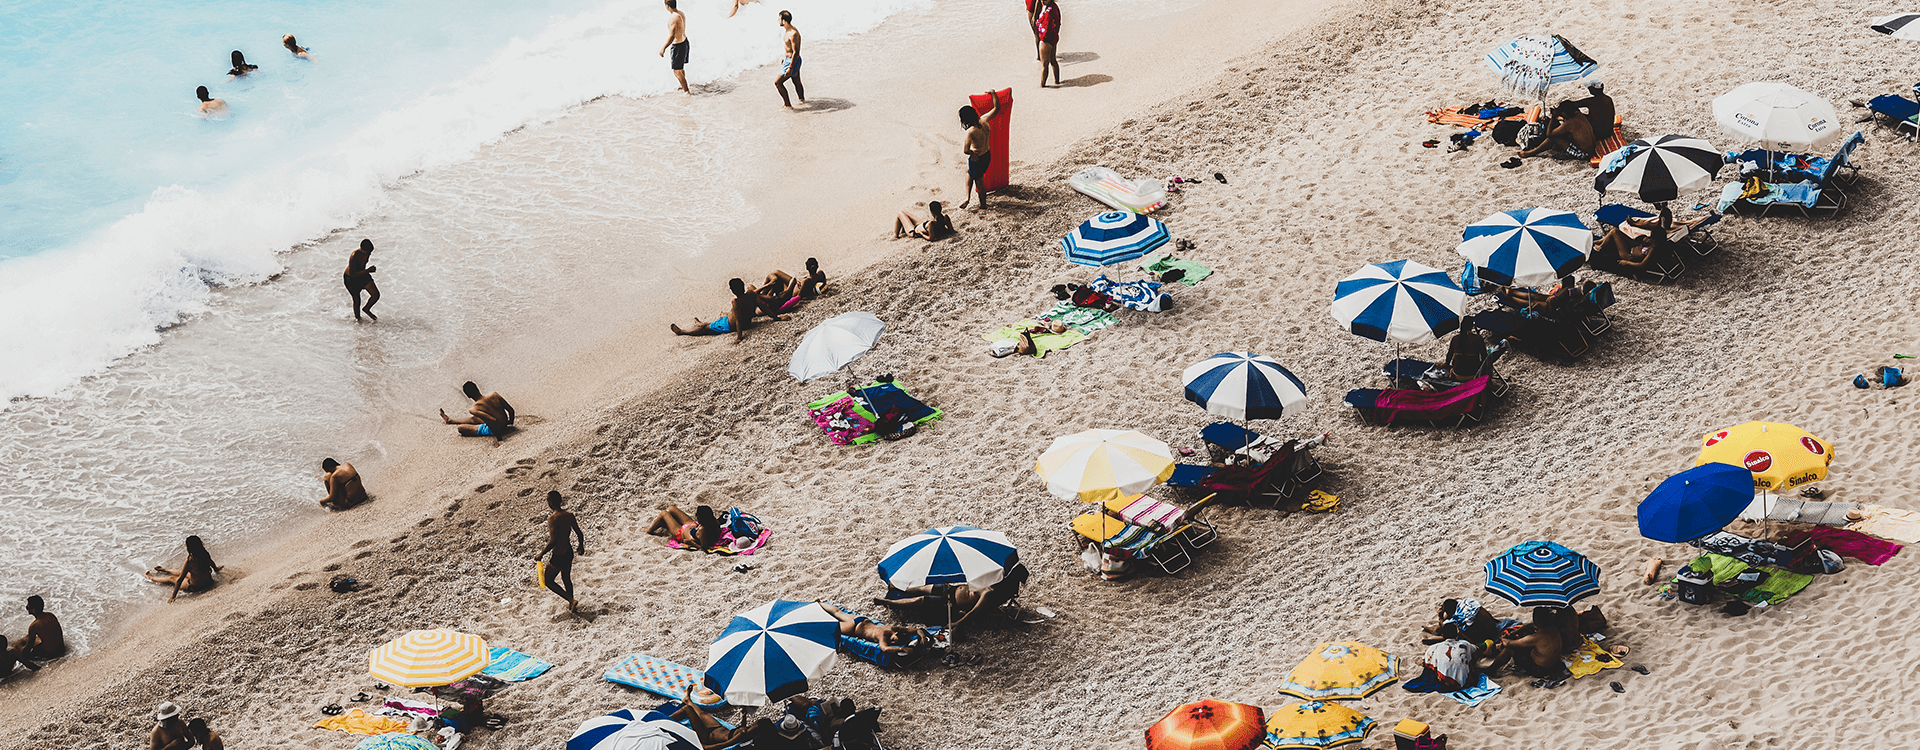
[949, 554]
[768, 653]
[1243, 385]
[1542, 574]
[1527, 247]
[626, 729]
[1530, 64]
[1114, 237]
[1661, 169]
[1399, 300]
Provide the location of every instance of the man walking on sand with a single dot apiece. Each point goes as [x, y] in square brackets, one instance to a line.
[491, 415]
[790, 67]
[559, 570]
[978, 147]
[1046, 27]
[677, 41]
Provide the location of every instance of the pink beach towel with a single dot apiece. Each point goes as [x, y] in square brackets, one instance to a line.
[1447, 404]
[1848, 543]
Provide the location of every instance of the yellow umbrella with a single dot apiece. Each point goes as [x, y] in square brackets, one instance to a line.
[1314, 725]
[1100, 465]
[428, 658]
[1347, 670]
[1781, 456]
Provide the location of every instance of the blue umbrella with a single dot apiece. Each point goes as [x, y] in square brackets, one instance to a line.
[626, 729]
[1529, 64]
[1243, 385]
[1399, 300]
[1695, 502]
[1528, 247]
[1114, 237]
[950, 554]
[768, 653]
[1542, 574]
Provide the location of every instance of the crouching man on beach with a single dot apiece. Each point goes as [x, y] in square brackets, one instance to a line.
[343, 485]
[490, 415]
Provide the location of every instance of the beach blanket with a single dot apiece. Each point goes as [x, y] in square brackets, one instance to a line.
[1897, 524]
[360, 722]
[1779, 586]
[743, 534]
[657, 676]
[1452, 661]
[1474, 694]
[1590, 658]
[841, 420]
[1086, 320]
[1135, 295]
[1750, 551]
[1042, 342]
[856, 417]
[508, 665]
[1609, 144]
[1196, 273]
[1469, 115]
[1848, 543]
[402, 707]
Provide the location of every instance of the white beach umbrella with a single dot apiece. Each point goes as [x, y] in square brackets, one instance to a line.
[1777, 116]
[1899, 26]
[834, 343]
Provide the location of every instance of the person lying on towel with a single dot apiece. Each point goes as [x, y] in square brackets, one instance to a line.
[893, 639]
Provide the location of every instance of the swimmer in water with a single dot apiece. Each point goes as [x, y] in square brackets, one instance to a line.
[209, 106]
[294, 47]
[240, 66]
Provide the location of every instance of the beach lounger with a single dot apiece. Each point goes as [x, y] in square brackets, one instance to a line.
[1428, 376]
[1392, 405]
[1190, 475]
[1826, 195]
[1164, 550]
[1696, 236]
[1538, 334]
[870, 651]
[1172, 522]
[1904, 113]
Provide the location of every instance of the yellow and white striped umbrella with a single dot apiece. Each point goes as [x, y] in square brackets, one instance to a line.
[428, 658]
[1100, 465]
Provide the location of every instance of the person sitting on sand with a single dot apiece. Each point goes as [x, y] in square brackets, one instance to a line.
[1464, 620]
[700, 531]
[815, 282]
[1536, 649]
[1568, 132]
[169, 731]
[1466, 353]
[195, 575]
[1599, 108]
[558, 574]
[1630, 245]
[490, 415]
[294, 47]
[343, 485]
[939, 226]
[779, 293]
[240, 66]
[746, 306]
[45, 639]
[209, 106]
[893, 639]
[203, 736]
[11, 659]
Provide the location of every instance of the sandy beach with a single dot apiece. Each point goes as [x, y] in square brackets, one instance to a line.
[1314, 115]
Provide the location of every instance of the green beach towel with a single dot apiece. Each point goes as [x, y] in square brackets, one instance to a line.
[1086, 320]
[1042, 342]
[1195, 272]
[862, 410]
[1780, 586]
[1722, 568]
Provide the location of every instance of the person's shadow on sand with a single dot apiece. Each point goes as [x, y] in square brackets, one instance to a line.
[1090, 79]
[823, 106]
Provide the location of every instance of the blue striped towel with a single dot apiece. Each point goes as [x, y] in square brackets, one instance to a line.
[512, 666]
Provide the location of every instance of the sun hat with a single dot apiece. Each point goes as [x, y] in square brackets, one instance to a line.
[166, 711]
[789, 727]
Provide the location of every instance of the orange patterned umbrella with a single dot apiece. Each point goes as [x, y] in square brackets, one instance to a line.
[1209, 725]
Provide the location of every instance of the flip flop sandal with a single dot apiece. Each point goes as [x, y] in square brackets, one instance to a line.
[1511, 163]
[1221, 177]
[360, 698]
[1616, 687]
[1430, 144]
[332, 709]
[381, 686]
[1638, 668]
[496, 722]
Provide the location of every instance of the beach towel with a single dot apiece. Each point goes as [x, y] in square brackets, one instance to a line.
[1469, 115]
[508, 665]
[1590, 658]
[1609, 144]
[1897, 524]
[1086, 320]
[360, 722]
[657, 676]
[402, 707]
[742, 535]
[1750, 551]
[1113, 535]
[841, 421]
[1146, 511]
[1779, 586]
[1135, 295]
[879, 397]
[1767, 506]
[1719, 567]
[1848, 543]
[1452, 661]
[1195, 272]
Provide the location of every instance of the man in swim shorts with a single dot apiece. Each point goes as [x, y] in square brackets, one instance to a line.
[359, 278]
[746, 305]
[558, 575]
[790, 66]
[343, 485]
[978, 147]
[491, 415]
[677, 41]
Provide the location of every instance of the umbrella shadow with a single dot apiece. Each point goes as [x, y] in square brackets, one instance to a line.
[1090, 79]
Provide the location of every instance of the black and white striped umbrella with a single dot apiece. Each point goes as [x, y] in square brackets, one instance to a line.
[1659, 170]
[1899, 26]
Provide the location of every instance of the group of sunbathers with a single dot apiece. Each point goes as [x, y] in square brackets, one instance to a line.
[777, 294]
[1536, 649]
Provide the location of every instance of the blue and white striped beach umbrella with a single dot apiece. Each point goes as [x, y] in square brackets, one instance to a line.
[1542, 574]
[1243, 385]
[768, 653]
[1528, 247]
[1399, 300]
[626, 729]
[949, 554]
[1530, 64]
[1114, 237]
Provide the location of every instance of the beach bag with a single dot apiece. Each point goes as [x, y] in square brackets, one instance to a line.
[1693, 587]
[1530, 135]
[1507, 132]
[743, 524]
[1816, 561]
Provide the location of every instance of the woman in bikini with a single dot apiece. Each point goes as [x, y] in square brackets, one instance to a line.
[195, 575]
[700, 531]
[938, 227]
